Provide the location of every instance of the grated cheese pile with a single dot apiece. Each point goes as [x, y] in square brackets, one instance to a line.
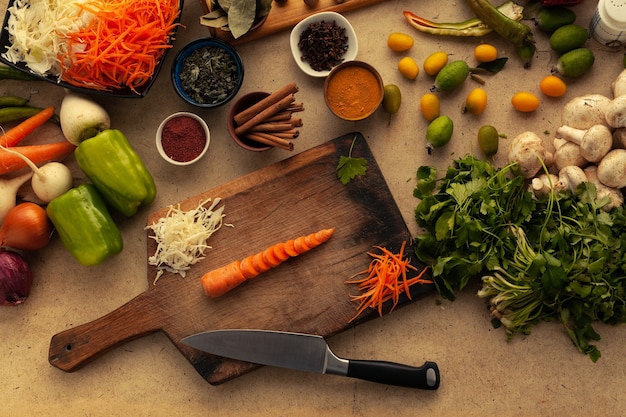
[182, 236]
[36, 30]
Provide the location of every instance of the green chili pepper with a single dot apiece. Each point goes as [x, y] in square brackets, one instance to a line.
[84, 224]
[119, 174]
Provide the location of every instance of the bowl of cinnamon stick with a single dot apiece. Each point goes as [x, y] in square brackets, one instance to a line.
[259, 121]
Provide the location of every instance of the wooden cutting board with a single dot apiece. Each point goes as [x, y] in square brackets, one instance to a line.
[306, 294]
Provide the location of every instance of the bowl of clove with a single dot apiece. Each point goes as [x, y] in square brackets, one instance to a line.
[207, 72]
[322, 41]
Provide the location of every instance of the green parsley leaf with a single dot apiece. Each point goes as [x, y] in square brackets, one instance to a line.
[349, 167]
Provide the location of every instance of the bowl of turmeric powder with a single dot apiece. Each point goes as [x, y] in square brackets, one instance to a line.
[353, 90]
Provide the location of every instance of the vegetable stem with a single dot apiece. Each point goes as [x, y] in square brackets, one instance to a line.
[518, 33]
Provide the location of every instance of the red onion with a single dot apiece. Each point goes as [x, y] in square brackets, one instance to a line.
[16, 278]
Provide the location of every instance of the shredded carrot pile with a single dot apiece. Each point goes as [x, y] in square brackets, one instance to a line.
[386, 278]
[122, 45]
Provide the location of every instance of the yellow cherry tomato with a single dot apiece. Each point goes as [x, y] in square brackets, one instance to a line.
[525, 102]
[485, 53]
[553, 86]
[430, 106]
[408, 68]
[399, 42]
[476, 101]
[434, 62]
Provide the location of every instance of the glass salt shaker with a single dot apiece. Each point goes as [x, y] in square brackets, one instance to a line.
[608, 25]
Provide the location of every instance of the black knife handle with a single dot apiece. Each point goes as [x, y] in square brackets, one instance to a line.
[423, 377]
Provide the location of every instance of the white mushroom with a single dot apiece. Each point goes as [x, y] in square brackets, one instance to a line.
[585, 111]
[528, 152]
[615, 112]
[618, 86]
[612, 169]
[616, 198]
[568, 153]
[570, 178]
[594, 142]
[543, 184]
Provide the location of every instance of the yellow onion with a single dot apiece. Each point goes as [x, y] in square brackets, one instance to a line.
[16, 278]
[26, 227]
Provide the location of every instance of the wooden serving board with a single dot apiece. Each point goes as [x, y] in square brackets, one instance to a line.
[308, 294]
[286, 15]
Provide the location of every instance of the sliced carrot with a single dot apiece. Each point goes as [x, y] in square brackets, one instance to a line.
[386, 280]
[38, 154]
[221, 280]
[122, 46]
[19, 132]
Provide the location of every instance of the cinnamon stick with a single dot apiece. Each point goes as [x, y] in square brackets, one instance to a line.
[295, 107]
[270, 140]
[264, 114]
[287, 134]
[279, 117]
[272, 127]
[247, 114]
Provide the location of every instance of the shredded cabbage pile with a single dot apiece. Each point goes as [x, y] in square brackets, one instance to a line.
[37, 28]
[182, 236]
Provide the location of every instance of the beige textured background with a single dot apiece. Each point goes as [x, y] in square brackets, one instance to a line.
[482, 374]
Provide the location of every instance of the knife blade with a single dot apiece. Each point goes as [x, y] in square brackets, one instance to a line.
[311, 353]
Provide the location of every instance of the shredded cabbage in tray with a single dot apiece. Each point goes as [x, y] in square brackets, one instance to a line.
[182, 236]
[36, 29]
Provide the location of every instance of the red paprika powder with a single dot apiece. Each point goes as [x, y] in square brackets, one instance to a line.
[183, 138]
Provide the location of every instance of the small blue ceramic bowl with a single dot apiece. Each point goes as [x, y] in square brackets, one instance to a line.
[192, 91]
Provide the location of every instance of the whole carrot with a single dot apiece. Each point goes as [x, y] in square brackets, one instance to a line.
[38, 154]
[16, 134]
[221, 280]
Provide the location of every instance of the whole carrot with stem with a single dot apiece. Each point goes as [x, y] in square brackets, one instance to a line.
[19, 132]
[38, 154]
[221, 280]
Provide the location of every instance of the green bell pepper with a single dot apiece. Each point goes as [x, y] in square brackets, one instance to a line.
[85, 226]
[113, 166]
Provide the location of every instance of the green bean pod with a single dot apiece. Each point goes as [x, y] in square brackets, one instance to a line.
[10, 73]
[15, 113]
[12, 101]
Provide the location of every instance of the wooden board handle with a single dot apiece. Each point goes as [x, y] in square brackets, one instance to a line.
[75, 347]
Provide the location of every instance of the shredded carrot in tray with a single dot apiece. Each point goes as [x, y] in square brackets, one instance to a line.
[122, 45]
[386, 278]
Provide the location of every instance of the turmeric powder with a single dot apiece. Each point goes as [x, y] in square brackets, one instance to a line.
[353, 92]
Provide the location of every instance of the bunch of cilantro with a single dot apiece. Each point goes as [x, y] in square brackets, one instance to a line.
[559, 257]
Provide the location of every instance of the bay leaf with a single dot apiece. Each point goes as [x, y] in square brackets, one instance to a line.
[241, 16]
[225, 4]
[215, 19]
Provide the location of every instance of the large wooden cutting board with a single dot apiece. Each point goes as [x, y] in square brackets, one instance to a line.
[306, 294]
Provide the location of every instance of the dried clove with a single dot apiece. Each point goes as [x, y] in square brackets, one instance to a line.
[323, 45]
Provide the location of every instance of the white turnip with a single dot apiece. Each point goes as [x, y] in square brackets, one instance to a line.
[81, 118]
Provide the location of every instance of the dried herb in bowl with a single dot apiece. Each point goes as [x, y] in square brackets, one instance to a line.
[208, 75]
[323, 45]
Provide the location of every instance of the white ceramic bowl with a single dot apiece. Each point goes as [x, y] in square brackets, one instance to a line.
[198, 154]
[296, 33]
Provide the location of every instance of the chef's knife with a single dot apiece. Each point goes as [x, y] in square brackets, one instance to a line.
[310, 353]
